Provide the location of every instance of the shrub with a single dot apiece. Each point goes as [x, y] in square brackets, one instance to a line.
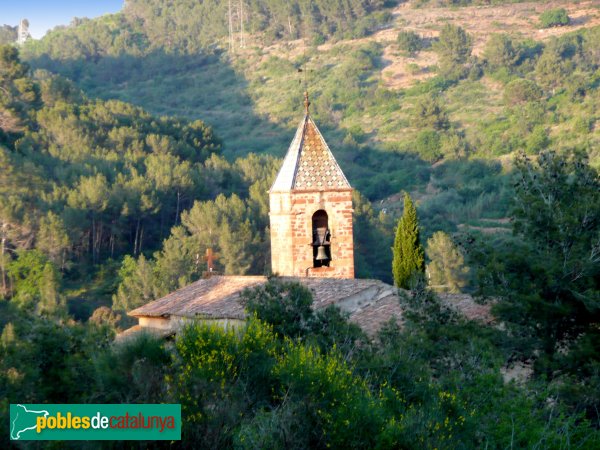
[413, 68]
[521, 91]
[286, 306]
[454, 49]
[554, 18]
[427, 145]
[429, 113]
[500, 52]
[537, 140]
[409, 42]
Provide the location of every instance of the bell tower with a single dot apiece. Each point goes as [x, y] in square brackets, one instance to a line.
[311, 210]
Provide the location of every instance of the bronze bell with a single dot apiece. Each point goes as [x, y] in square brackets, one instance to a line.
[321, 254]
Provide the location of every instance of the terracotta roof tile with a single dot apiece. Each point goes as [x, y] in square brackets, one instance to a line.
[370, 303]
[215, 297]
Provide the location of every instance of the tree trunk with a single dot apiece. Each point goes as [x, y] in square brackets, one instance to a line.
[92, 237]
[137, 233]
[177, 212]
[141, 239]
[242, 44]
[230, 28]
[2, 252]
[98, 241]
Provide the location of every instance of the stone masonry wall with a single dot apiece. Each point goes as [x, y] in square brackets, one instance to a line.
[291, 232]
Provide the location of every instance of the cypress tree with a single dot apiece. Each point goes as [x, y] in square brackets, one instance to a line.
[409, 257]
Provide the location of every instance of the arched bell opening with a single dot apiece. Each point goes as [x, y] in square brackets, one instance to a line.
[321, 240]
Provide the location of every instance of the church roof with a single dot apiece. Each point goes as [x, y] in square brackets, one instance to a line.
[309, 165]
[370, 303]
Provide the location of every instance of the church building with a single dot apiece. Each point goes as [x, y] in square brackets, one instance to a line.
[311, 243]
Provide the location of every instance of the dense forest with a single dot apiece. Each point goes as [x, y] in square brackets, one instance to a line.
[131, 143]
[189, 27]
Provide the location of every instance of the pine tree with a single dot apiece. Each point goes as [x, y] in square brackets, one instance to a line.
[447, 270]
[409, 257]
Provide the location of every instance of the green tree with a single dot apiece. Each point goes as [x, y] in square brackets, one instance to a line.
[556, 63]
[554, 18]
[409, 42]
[51, 303]
[286, 306]
[427, 145]
[409, 257]
[454, 49]
[429, 113]
[521, 91]
[132, 372]
[500, 52]
[34, 280]
[8, 34]
[53, 239]
[137, 284]
[537, 140]
[446, 269]
[548, 280]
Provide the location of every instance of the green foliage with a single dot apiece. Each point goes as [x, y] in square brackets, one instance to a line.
[429, 113]
[454, 49]
[537, 140]
[435, 382]
[547, 278]
[286, 306]
[19, 94]
[219, 374]
[189, 27]
[49, 362]
[373, 237]
[427, 145]
[132, 372]
[558, 61]
[53, 239]
[409, 258]
[106, 175]
[500, 52]
[339, 409]
[554, 18]
[8, 34]
[36, 283]
[409, 42]
[446, 269]
[521, 91]
[137, 284]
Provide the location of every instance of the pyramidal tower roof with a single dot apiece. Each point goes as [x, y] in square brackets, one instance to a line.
[309, 165]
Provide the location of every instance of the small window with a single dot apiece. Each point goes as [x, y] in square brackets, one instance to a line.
[321, 239]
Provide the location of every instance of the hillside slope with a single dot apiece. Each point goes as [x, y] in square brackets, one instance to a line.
[366, 94]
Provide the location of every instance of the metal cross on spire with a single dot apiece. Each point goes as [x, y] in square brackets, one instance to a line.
[306, 102]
